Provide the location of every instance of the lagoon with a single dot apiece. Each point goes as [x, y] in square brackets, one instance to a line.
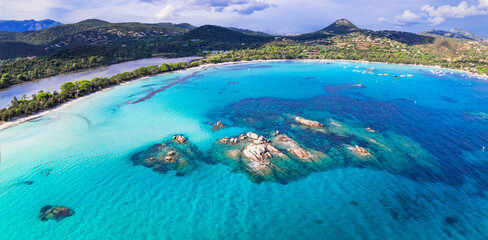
[426, 177]
[53, 83]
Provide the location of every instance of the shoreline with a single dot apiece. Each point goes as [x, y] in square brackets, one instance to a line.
[485, 77]
[20, 120]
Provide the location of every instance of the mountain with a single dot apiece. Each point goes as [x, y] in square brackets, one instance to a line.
[223, 37]
[179, 25]
[26, 25]
[406, 37]
[249, 32]
[341, 26]
[469, 35]
[91, 32]
[457, 33]
[445, 34]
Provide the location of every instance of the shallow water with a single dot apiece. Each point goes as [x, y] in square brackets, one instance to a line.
[53, 83]
[441, 193]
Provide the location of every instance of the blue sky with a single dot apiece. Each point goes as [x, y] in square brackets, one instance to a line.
[273, 16]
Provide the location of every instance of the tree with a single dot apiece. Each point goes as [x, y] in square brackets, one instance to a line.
[5, 80]
[84, 86]
[68, 89]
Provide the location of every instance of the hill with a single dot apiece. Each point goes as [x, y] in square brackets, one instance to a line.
[26, 25]
[457, 33]
[90, 32]
[215, 37]
[179, 25]
[467, 34]
[446, 34]
[341, 26]
[250, 32]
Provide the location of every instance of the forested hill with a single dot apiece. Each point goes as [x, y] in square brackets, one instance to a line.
[86, 33]
[217, 37]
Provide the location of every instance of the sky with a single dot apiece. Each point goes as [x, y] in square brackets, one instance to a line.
[271, 16]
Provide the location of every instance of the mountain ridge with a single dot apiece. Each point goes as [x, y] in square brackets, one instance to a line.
[26, 25]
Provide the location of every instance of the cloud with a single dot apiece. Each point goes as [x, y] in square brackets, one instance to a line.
[440, 14]
[483, 4]
[255, 7]
[273, 16]
[408, 18]
[167, 12]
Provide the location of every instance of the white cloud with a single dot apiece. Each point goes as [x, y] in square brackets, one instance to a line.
[483, 4]
[440, 14]
[407, 18]
[382, 19]
[167, 12]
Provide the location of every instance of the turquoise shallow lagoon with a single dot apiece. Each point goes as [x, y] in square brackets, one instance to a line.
[432, 184]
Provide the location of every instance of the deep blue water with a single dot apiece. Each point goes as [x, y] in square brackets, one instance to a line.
[427, 177]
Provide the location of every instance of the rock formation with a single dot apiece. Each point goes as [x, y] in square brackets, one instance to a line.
[55, 213]
[180, 139]
[217, 126]
[370, 130]
[359, 151]
[308, 123]
[292, 146]
[178, 154]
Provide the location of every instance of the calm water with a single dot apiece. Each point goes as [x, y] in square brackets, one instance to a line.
[428, 179]
[53, 83]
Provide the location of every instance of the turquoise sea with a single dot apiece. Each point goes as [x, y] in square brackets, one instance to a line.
[427, 177]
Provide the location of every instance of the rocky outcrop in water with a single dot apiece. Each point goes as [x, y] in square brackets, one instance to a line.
[370, 130]
[279, 159]
[308, 123]
[292, 147]
[180, 139]
[359, 150]
[217, 126]
[55, 213]
[177, 154]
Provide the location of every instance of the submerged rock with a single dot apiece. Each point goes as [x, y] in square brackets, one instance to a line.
[308, 123]
[55, 213]
[178, 154]
[359, 150]
[370, 130]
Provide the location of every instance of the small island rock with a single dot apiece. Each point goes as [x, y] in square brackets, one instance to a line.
[180, 139]
[55, 213]
[308, 123]
[217, 126]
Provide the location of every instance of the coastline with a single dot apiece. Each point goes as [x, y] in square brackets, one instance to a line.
[20, 120]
